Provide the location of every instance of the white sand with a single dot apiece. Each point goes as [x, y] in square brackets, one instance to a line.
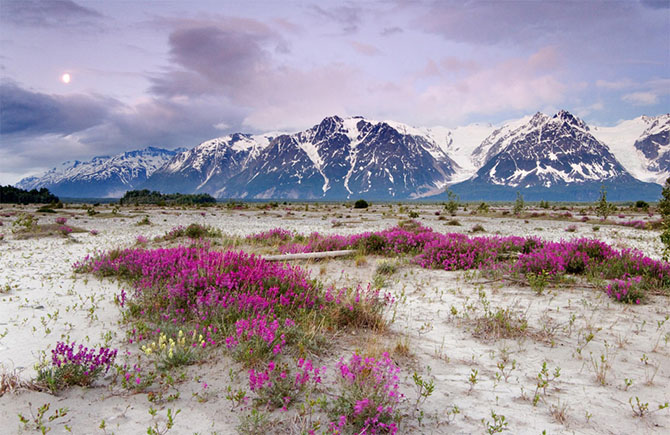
[47, 303]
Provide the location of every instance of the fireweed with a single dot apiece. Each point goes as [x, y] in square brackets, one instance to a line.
[277, 387]
[256, 309]
[518, 255]
[626, 290]
[369, 396]
[74, 365]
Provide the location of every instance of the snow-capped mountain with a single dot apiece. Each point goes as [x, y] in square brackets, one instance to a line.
[552, 158]
[208, 165]
[337, 158]
[544, 157]
[102, 176]
[648, 159]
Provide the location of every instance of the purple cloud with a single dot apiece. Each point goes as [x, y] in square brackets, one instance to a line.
[47, 13]
[26, 112]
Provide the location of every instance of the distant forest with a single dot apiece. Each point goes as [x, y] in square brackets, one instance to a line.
[14, 195]
[153, 197]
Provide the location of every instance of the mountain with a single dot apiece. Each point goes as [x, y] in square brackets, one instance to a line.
[544, 157]
[648, 159]
[551, 158]
[102, 176]
[335, 159]
[204, 168]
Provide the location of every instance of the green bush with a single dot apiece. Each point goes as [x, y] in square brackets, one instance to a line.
[361, 203]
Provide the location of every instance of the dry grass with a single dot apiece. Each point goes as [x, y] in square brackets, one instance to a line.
[10, 382]
[501, 323]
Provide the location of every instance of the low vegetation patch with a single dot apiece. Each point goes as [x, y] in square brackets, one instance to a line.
[187, 301]
[521, 257]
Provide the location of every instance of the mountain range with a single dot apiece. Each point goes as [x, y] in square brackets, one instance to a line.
[555, 157]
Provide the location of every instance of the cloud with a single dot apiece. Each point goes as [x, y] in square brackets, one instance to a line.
[623, 32]
[52, 13]
[647, 93]
[37, 127]
[348, 17]
[216, 57]
[641, 98]
[614, 84]
[388, 31]
[520, 22]
[656, 4]
[26, 112]
[365, 49]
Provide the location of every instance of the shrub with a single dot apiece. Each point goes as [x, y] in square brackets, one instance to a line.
[144, 221]
[193, 231]
[478, 228]
[483, 208]
[642, 205]
[386, 268]
[452, 205]
[602, 207]
[518, 203]
[24, 223]
[361, 203]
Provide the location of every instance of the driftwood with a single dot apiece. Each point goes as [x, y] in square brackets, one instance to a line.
[309, 255]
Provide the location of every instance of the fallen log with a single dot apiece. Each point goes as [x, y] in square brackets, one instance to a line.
[309, 255]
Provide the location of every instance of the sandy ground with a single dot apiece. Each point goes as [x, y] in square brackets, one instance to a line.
[607, 353]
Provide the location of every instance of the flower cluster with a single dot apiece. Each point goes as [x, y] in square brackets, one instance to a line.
[176, 351]
[75, 365]
[640, 225]
[626, 290]
[273, 236]
[255, 307]
[370, 395]
[61, 220]
[529, 255]
[64, 230]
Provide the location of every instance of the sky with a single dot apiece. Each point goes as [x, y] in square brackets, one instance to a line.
[85, 78]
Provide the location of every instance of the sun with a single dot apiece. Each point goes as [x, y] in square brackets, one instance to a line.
[65, 78]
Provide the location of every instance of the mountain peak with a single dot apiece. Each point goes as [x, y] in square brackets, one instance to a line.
[566, 117]
[102, 176]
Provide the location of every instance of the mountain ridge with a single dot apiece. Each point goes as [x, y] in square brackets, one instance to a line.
[343, 158]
